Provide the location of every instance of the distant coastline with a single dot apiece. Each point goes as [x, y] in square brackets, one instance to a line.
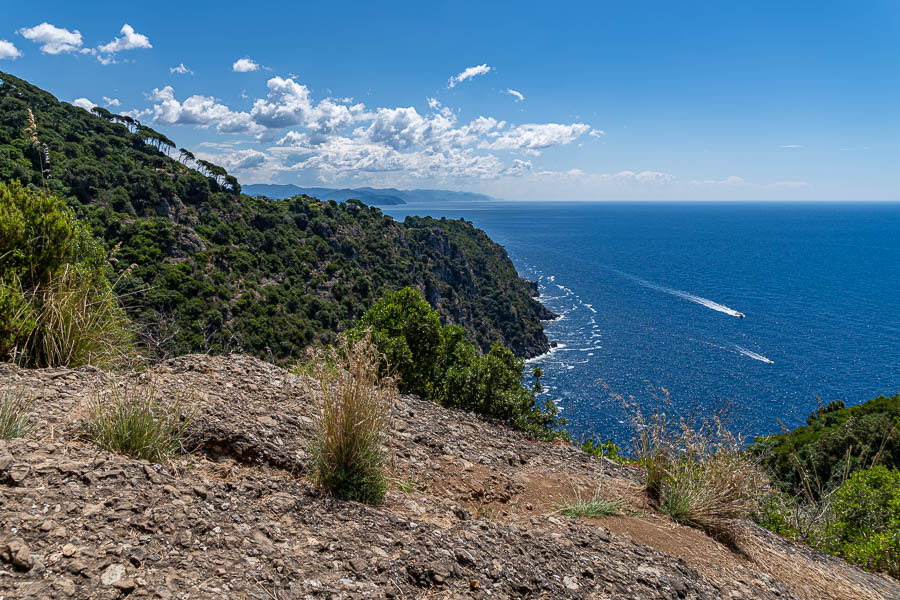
[366, 195]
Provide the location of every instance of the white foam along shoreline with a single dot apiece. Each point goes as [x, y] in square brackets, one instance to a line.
[546, 354]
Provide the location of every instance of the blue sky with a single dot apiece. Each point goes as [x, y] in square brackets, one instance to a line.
[622, 100]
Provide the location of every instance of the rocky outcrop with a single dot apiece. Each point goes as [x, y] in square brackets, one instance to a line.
[471, 513]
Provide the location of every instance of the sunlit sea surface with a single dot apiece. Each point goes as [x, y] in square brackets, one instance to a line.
[651, 298]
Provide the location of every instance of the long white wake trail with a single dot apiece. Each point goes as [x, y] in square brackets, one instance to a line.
[686, 295]
[753, 354]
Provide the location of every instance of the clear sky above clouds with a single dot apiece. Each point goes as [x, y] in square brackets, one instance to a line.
[691, 100]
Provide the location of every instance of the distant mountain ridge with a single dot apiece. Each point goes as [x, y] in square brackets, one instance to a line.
[367, 195]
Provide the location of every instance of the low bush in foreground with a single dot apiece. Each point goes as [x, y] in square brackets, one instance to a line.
[697, 472]
[57, 306]
[14, 417]
[135, 420]
[353, 404]
[858, 520]
[436, 363]
[863, 523]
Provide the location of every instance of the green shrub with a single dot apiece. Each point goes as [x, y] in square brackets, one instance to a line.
[782, 514]
[57, 306]
[353, 404]
[863, 523]
[408, 332]
[437, 363]
[135, 420]
[835, 442]
[14, 417]
[607, 449]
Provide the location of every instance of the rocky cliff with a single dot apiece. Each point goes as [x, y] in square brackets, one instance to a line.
[472, 513]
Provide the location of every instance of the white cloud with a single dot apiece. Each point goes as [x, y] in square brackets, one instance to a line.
[468, 74]
[245, 159]
[533, 138]
[597, 133]
[519, 167]
[128, 40]
[83, 103]
[792, 146]
[642, 177]
[245, 65]
[111, 101]
[517, 95]
[329, 117]
[341, 157]
[181, 70]
[201, 111]
[53, 39]
[8, 50]
[337, 141]
[435, 104]
[402, 128]
[286, 104]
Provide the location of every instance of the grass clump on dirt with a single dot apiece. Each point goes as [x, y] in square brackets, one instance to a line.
[353, 404]
[595, 506]
[696, 470]
[14, 417]
[135, 420]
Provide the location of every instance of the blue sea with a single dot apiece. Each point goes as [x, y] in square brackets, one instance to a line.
[650, 298]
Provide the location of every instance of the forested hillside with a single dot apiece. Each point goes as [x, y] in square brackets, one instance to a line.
[835, 442]
[217, 270]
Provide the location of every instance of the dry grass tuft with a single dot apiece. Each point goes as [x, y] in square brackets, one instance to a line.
[14, 417]
[353, 406]
[79, 323]
[133, 419]
[697, 471]
[595, 506]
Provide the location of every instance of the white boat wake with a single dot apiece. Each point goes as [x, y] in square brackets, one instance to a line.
[685, 295]
[753, 354]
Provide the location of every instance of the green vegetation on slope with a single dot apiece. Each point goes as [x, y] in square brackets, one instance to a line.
[435, 362]
[835, 442]
[219, 271]
[837, 482]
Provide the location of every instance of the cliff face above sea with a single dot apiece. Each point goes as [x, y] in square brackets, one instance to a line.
[472, 512]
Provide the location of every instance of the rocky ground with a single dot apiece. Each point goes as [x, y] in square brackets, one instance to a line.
[471, 513]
